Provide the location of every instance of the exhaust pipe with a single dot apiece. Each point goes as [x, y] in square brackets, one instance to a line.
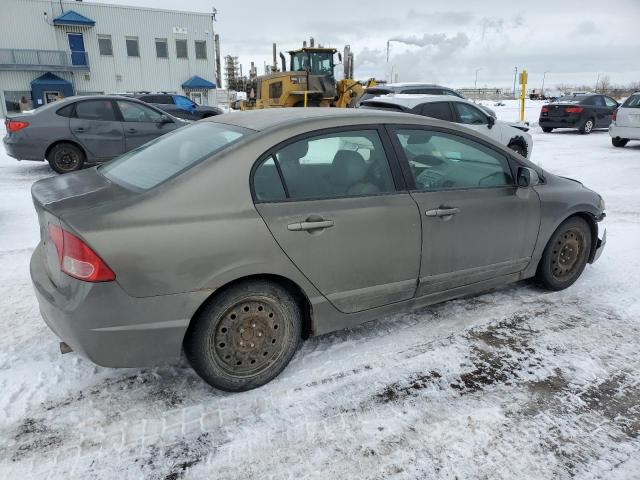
[284, 62]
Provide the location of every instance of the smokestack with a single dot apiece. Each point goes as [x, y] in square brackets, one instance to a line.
[216, 45]
[304, 44]
[311, 42]
[346, 60]
[274, 67]
[284, 62]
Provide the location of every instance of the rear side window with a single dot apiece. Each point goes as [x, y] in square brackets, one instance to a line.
[171, 154]
[632, 102]
[341, 164]
[439, 110]
[469, 115]
[610, 102]
[134, 112]
[66, 111]
[95, 110]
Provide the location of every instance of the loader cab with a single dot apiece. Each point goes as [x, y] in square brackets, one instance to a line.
[317, 61]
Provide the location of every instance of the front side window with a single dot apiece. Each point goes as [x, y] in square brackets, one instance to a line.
[161, 48]
[201, 50]
[183, 103]
[439, 110]
[181, 49]
[171, 154]
[104, 45]
[610, 102]
[95, 110]
[342, 164]
[469, 115]
[134, 112]
[440, 161]
[133, 49]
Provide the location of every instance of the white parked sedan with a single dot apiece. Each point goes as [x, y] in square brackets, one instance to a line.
[458, 110]
[626, 122]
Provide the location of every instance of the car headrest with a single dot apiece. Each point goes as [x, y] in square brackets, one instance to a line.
[349, 167]
[419, 138]
[294, 152]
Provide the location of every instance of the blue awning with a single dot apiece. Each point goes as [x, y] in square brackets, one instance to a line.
[73, 18]
[198, 82]
[50, 79]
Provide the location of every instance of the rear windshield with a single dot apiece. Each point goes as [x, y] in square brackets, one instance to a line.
[632, 102]
[381, 106]
[571, 99]
[171, 154]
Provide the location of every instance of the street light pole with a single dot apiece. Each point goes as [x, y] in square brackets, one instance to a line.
[515, 76]
[475, 84]
[543, 77]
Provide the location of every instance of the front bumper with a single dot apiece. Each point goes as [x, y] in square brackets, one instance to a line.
[107, 326]
[600, 246]
[630, 133]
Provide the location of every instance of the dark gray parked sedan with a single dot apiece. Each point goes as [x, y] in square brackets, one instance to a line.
[79, 131]
[238, 236]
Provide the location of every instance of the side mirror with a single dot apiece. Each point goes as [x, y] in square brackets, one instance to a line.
[163, 119]
[527, 177]
[492, 121]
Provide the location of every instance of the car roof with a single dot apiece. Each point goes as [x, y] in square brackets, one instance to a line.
[398, 86]
[411, 100]
[268, 118]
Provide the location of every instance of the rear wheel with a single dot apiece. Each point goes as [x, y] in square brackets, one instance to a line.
[619, 142]
[547, 129]
[587, 127]
[566, 255]
[65, 158]
[246, 336]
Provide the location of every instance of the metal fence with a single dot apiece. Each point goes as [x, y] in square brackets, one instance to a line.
[17, 59]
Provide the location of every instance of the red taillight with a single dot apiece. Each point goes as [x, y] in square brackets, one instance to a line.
[545, 109]
[77, 259]
[573, 109]
[614, 115]
[14, 126]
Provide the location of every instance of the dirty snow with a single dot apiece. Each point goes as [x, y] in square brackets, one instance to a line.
[517, 383]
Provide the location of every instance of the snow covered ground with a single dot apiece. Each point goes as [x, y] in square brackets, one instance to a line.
[517, 383]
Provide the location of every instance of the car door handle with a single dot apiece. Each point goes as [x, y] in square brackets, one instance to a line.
[131, 130]
[313, 225]
[80, 129]
[442, 212]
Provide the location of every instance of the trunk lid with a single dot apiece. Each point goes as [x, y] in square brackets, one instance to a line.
[628, 117]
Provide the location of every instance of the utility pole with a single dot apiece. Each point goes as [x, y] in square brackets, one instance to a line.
[543, 77]
[515, 76]
[597, 81]
[475, 84]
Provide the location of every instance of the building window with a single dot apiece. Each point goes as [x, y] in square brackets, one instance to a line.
[104, 45]
[181, 49]
[132, 47]
[201, 50]
[161, 48]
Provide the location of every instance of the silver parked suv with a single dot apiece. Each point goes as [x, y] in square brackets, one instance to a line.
[238, 236]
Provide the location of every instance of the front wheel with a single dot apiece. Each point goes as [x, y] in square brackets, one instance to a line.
[587, 127]
[65, 158]
[245, 336]
[619, 142]
[566, 255]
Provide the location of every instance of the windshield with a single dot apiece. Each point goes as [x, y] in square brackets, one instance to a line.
[632, 102]
[318, 63]
[171, 154]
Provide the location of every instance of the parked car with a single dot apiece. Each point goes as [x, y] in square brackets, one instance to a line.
[238, 236]
[179, 105]
[414, 89]
[626, 122]
[458, 110]
[80, 131]
[583, 112]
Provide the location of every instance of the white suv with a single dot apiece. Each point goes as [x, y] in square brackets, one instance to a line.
[626, 122]
[458, 110]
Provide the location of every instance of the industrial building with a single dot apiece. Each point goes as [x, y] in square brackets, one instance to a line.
[51, 49]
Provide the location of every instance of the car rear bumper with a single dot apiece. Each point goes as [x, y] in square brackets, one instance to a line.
[561, 122]
[21, 150]
[631, 133]
[110, 328]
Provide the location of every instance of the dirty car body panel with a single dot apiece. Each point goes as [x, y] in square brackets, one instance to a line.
[176, 239]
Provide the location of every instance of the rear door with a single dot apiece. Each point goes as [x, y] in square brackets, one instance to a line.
[141, 124]
[439, 110]
[97, 128]
[601, 111]
[476, 224]
[340, 217]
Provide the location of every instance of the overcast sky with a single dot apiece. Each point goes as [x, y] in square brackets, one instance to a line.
[442, 42]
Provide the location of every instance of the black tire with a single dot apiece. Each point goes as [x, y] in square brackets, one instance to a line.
[619, 142]
[587, 127]
[65, 158]
[245, 336]
[518, 147]
[547, 129]
[566, 255]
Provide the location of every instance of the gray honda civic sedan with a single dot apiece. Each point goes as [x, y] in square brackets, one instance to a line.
[238, 236]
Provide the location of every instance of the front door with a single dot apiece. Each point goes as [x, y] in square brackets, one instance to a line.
[97, 129]
[476, 224]
[339, 218]
[472, 117]
[142, 124]
[76, 45]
